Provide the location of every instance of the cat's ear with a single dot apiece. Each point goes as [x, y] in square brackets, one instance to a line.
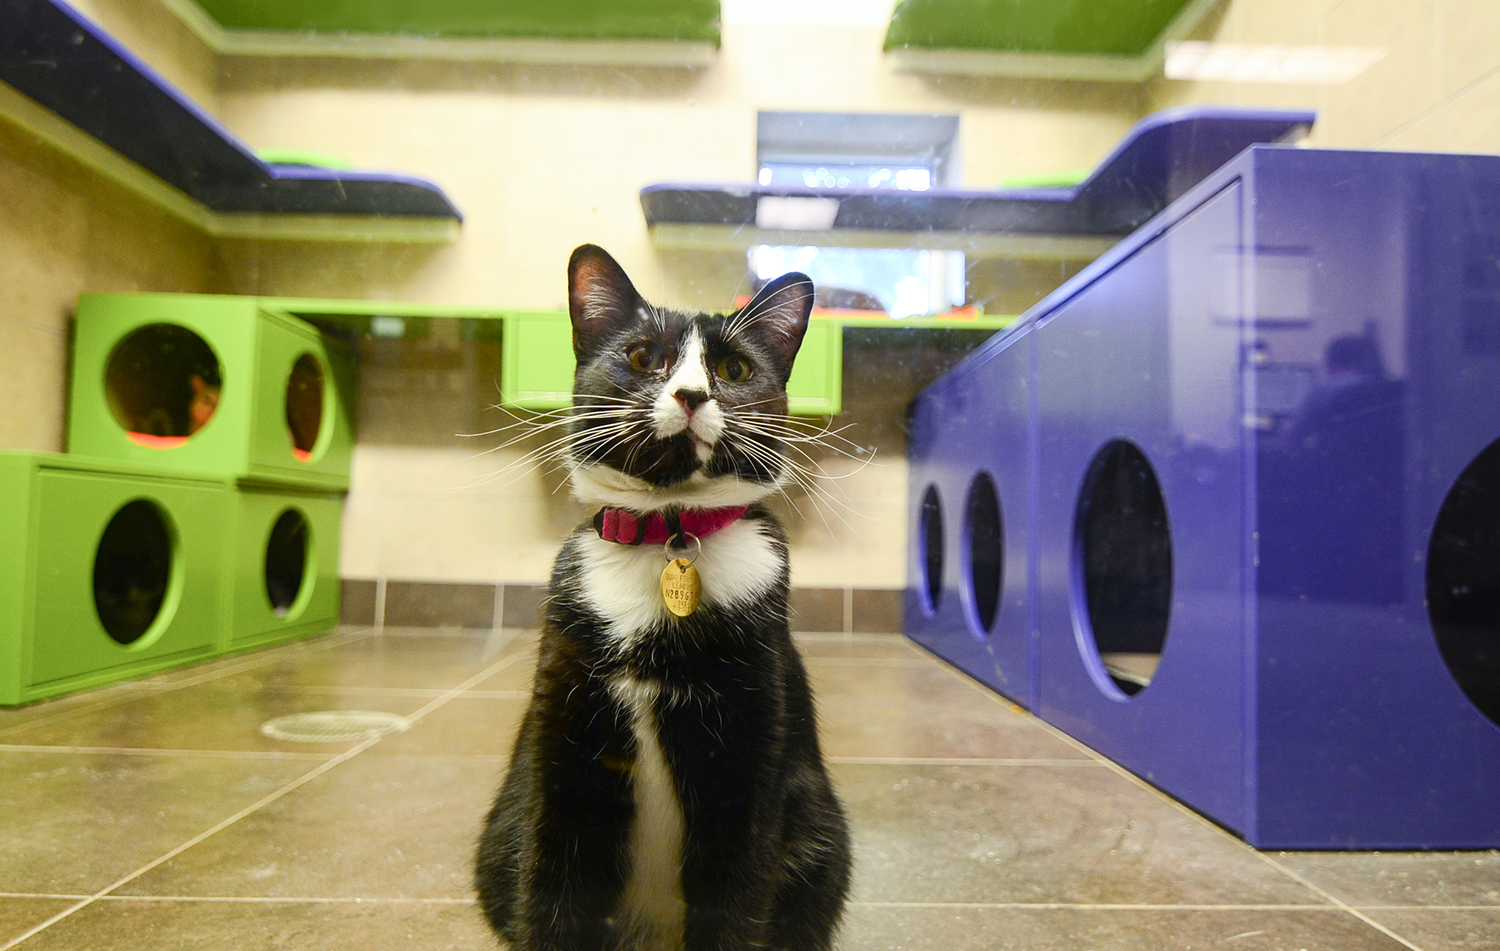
[777, 316]
[601, 299]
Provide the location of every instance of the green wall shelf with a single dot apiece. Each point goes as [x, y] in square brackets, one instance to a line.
[537, 351]
[687, 20]
[1098, 40]
[537, 365]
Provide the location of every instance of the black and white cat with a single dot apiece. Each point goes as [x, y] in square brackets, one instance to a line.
[667, 791]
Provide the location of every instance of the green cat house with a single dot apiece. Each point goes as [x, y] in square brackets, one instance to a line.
[203, 383]
[282, 565]
[112, 570]
[107, 571]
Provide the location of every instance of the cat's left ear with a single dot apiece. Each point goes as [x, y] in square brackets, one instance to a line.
[778, 316]
[601, 299]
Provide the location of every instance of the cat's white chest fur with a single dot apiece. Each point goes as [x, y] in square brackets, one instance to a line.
[622, 583]
[652, 913]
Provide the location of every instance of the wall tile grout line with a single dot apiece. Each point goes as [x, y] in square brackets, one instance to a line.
[286, 900]
[1087, 906]
[148, 751]
[1019, 906]
[957, 761]
[1436, 107]
[285, 790]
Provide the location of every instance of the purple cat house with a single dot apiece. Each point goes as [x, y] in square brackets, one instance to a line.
[1245, 536]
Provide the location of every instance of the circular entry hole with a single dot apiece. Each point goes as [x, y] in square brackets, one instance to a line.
[162, 383]
[286, 561]
[304, 405]
[930, 537]
[1463, 581]
[132, 570]
[986, 554]
[1124, 552]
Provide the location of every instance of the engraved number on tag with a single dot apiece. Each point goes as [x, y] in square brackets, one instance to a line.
[681, 589]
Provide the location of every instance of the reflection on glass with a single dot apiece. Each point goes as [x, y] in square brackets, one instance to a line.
[902, 283]
[1330, 481]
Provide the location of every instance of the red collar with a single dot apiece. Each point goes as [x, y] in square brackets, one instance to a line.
[656, 528]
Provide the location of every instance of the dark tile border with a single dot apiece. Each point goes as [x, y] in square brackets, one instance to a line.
[357, 604]
[818, 610]
[877, 610]
[522, 606]
[432, 604]
[439, 604]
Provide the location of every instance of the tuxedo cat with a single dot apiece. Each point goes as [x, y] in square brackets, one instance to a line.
[667, 791]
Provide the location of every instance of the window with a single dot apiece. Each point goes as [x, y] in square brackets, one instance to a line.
[860, 151]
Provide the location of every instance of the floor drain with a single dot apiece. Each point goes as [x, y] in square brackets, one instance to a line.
[333, 726]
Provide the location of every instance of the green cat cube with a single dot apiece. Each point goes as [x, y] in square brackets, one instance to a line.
[206, 383]
[108, 571]
[283, 566]
[536, 361]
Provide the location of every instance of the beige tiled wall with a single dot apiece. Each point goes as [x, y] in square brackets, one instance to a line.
[63, 231]
[542, 158]
[1437, 89]
[162, 41]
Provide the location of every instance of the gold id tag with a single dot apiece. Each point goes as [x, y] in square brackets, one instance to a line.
[681, 588]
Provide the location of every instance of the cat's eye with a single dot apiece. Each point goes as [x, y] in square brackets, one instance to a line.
[645, 358]
[733, 370]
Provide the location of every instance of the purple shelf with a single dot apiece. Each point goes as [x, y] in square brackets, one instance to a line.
[1313, 556]
[1162, 157]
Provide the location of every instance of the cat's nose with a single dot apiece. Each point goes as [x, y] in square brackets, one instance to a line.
[690, 398]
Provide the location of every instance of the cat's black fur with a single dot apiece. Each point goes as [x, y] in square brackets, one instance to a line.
[764, 854]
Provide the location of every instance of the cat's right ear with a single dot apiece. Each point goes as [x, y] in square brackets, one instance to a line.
[601, 299]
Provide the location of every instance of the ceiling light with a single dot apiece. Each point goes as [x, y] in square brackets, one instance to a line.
[868, 14]
[1245, 63]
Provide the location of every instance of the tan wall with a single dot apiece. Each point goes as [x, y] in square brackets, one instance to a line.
[541, 159]
[1436, 90]
[64, 231]
[162, 41]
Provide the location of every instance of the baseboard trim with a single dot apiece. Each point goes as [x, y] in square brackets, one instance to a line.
[382, 602]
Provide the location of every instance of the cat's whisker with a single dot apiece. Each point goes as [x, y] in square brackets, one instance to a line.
[523, 437]
[799, 429]
[812, 483]
[799, 475]
[552, 453]
[797, 443]
[568, 416]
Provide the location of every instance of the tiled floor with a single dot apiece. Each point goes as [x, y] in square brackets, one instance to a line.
[156, 815]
